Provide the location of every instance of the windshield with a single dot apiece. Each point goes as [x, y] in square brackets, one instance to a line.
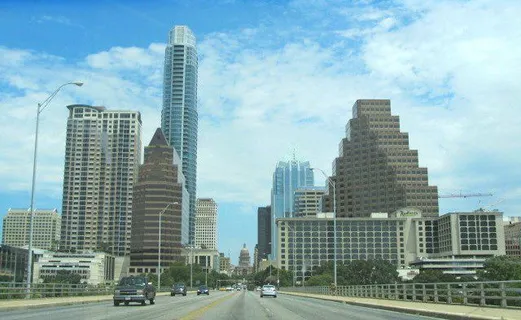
[132, 281]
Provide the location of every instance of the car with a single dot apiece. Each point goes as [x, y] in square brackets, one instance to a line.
[258, 289]
[229, 289]
[268, 290]
[178, 288]
[134, 289]
[203, 290]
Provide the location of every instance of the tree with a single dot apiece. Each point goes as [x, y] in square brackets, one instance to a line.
[501, 268]
[63, 276]
[433, 276]
[320, 280]
[363, 272]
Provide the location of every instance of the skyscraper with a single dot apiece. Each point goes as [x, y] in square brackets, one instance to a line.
[102, 154]
[179, 115]
[376, 171]
[263, 232]
[288, 177]
[307, 201]
[206, 223]
[159, 189]
[46, 230]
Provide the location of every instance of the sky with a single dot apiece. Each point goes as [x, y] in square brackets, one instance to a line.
[275, 78]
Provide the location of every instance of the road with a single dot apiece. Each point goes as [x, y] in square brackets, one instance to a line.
[218, 305]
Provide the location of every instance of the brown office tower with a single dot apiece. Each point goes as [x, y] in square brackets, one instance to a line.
[158, 194]
[376, 171]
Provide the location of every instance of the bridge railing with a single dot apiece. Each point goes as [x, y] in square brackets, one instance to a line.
[18, 290]
[504, 294]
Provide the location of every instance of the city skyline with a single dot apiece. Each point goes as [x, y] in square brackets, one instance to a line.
[273, 78]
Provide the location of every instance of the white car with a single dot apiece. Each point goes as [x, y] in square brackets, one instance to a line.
[268, 290]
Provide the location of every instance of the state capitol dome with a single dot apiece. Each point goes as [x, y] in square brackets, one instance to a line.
[244, 257]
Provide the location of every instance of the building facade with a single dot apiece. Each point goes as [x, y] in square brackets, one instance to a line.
[208, 259]
[308, 201]
[402, 238]
[376, 171]
[102, 154]
[206, 223]
[13, 262]
[159, 193]
[46, 228]
[94, 268]
[224, 264]
[179, 118]
[256, 258]
[513, 237]
[288, 177]
[263, 232]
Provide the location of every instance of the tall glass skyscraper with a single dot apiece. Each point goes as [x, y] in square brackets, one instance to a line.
[179, 115]
[288, 177]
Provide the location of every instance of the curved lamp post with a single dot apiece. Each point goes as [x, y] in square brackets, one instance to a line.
[39, 109]
[332, 183]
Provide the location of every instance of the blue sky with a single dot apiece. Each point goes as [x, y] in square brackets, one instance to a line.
[274, 76]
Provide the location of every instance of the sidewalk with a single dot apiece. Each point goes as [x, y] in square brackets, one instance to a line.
[447, 311]
[14, 304]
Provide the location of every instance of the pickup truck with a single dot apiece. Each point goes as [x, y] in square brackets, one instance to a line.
[134, 289]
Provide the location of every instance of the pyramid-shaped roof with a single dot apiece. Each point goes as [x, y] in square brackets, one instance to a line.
[158, 139]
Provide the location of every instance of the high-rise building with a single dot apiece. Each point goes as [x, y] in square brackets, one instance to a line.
[263, 232]
[288, 177]
[179, 117]
[308, 201]
[376, 171]
[159, 193]
[46, 228]
[102, 154]
[206, 224]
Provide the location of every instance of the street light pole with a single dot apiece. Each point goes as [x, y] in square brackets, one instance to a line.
[332, 183]
[39, 109]
[159, 247]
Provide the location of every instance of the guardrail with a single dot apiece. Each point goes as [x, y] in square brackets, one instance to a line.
[18, 290]
[504, 294]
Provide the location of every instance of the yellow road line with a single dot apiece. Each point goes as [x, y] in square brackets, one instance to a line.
[199, 312]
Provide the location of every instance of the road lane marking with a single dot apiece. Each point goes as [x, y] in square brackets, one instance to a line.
[199, 312]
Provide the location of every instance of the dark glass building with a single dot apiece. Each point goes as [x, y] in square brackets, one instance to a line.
[263, 232]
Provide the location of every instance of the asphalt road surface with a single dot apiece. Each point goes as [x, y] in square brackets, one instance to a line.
[218, 305]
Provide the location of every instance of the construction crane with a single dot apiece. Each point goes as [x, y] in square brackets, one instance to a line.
[464, 195]
[484, 208]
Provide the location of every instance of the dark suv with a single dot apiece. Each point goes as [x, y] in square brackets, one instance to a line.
[134, 289]
[178, 288]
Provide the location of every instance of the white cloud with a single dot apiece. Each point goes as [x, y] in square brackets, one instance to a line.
[451, 72]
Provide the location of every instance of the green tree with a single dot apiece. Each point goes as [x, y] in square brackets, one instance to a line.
[63, 276]
[501, 268]
[324, 279]
[432, 276]
[363, 272]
